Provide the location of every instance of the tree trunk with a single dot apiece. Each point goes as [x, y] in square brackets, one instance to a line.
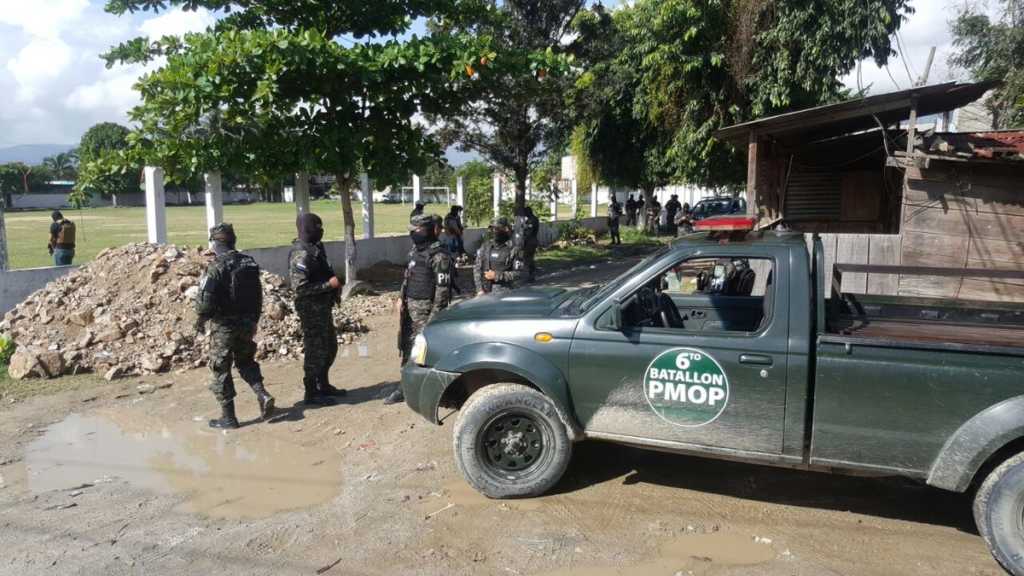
[520, 191]
[3, 237]
[641, 220]
[344, 184]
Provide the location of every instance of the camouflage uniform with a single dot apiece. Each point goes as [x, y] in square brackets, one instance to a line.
[231, 336]
[310, 272]
[420, 307]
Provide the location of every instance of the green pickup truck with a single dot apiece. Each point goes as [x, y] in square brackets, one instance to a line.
[727, 345]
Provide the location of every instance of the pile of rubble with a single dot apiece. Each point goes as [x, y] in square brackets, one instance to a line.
[130, 312]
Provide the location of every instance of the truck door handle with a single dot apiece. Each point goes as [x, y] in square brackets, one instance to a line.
[756, 359]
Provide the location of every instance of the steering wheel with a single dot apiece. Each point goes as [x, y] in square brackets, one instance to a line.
[647, 299]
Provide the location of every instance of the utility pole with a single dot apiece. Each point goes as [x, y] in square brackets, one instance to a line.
[927, 68]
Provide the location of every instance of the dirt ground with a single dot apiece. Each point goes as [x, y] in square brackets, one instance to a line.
[105, 480]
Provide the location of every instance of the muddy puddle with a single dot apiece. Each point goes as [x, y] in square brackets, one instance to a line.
[686, 554]
[238, 474]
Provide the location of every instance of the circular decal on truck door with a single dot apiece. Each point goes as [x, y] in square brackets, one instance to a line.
[686, 387]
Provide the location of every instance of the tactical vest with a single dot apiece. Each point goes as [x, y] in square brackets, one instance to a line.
[66, 234]
[498, 257]
[419, 275]
[317, 268]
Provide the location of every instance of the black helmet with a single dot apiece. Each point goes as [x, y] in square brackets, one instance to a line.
[428, 221]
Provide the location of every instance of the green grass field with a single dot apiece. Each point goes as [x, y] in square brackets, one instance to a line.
[257, 226]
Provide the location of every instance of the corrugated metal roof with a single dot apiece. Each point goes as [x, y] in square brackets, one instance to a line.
[859, 114]
[1003, 145]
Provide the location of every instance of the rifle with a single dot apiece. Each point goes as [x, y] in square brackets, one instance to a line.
[404, 325]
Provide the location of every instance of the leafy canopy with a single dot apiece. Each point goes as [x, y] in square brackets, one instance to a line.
[669, 73]
[994, 50]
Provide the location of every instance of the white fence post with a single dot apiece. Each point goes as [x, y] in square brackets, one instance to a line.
[364, 185]
[156, 205]
[214, 199]
[497, 195]
[554, 207]
[417, 190]
[460, 192]
[301, 193]
[593, 199]
[575, 195]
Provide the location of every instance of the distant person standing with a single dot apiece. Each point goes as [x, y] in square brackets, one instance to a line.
[427, 288]
[454, 229]
[416, 211]
[641, 215]
[614, 215]
[630, 211]
[527, 232]
[230, 299]
[653, 214]
[62, 239]
[673, 206]
[498, 266]
[316, 291]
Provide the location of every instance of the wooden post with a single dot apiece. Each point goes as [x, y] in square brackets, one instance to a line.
[214, 199]
[301, 193]
[364, 186]
[752, 174]
[593, 199]
[497, 195]
[460, 192]
[156, 206]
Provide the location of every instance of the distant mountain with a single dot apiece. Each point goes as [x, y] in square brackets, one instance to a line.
[32, 154]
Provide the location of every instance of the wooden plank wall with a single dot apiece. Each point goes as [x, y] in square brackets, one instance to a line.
[964, 215]
[879, 249]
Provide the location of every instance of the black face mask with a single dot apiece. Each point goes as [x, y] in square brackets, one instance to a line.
[421, 237]
[310, 228]
[502, 235]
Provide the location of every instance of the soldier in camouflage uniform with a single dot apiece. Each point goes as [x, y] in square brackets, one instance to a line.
[230, 299]
[316, 291]
[427, 288]
[499, 265]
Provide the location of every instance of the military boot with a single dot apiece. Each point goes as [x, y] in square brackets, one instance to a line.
[265, 399]
[313, 396]
[227, 420]
[325, 388]
[395, 397]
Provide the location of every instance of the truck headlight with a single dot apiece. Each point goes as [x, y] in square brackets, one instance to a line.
[419, 350]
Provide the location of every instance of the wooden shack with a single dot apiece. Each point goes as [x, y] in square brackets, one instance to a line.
[880, 192]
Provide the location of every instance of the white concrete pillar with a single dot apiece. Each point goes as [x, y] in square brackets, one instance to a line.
[554, 208]
[575, 194]
[497, 195]
[417, 190]
[214, 199]
[593, 199]
[460, 192]
[156, 205]
[364, 185]
[301, 193]
[529, 189]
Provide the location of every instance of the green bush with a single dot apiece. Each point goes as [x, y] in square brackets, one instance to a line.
[7, 347]
[541, 210]
[574, 231]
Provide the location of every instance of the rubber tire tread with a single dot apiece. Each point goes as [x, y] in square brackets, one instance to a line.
[995, 493]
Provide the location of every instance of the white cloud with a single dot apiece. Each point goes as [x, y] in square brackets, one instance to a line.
[53, 81]
[176, 23]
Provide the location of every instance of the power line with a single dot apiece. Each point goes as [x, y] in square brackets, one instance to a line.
[894, 82]
[903, 57]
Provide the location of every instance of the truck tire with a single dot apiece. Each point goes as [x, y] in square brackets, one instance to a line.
[999, 514]
[510, 443]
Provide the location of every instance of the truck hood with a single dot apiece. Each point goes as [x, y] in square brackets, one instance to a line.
[522, 303]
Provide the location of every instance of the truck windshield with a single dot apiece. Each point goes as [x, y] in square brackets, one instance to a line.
[610, 287]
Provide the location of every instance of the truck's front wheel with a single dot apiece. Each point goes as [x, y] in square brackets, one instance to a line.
[510, 443]
[999, 513]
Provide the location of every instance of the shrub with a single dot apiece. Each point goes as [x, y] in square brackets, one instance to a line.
[7, 347]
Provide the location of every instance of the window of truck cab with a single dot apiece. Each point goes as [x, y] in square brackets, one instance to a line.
[726, 294]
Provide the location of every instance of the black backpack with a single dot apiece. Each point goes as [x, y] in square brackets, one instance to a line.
[245, 291]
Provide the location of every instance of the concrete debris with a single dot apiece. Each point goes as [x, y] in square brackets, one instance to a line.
[130, 312]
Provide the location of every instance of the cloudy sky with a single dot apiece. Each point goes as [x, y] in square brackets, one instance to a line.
[53, 86]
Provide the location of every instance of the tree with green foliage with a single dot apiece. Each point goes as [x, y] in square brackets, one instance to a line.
[478, 191]
[269, 88]
[63, 166]
[994, 50]
[101, 171]
[661, 76]
[516, 113]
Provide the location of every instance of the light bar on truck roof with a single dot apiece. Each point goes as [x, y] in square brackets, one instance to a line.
[726, 224]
